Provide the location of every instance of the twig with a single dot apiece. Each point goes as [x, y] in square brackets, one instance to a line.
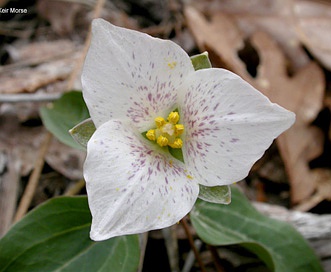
[8, 68]
[33, 180]
[90, 3]
[76, 188]
[33, 97]
[191, 241]
[16, 33]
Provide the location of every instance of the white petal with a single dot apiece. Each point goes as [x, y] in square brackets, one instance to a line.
[128, 74]
[131, 187]
[229, 125]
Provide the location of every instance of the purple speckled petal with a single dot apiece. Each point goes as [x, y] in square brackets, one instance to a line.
[130, 75]
[131, 187]
[229, 125]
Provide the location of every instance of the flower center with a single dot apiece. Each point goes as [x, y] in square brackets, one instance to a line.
[166, 133]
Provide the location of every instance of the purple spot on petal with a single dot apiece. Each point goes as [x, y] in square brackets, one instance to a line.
[234, 140]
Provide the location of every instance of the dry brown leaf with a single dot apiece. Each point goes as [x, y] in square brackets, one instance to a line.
[24, 142]
[60, 14]
[313, 28]
[302, 93]
[273, 17]
[30, 79]
[9, 185]
[290, 22]
[38, 52]
[323, 190]
[66, 160]
[207, 37]
[21, 141]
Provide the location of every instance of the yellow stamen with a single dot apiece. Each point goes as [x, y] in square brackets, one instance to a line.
[162, 141]
[159, 122]
[178, 143]
[166, 133]
[151, 134]
[173, 117]
[179, 129]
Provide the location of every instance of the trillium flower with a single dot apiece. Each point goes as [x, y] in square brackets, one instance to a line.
[145, 97]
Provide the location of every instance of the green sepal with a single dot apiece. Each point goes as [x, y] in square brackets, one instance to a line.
[201, 61]
[83, 131]
[177, 153]
[215, 194]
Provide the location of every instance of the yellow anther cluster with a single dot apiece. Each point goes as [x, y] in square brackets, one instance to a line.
[151, 135]
[162, 141]
[159, 122]
[179, 128]
[166, 133]
[173, 117]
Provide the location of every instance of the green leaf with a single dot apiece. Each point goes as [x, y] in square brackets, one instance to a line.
[216, 194]
[201, 61]
[59, 117]
[55, 237]
[83, 132]
[277, 243]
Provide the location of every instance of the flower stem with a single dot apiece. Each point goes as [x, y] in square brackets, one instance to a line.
[216, 259]
[191, 241]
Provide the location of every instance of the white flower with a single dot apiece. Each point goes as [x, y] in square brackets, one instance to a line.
[131, 84]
